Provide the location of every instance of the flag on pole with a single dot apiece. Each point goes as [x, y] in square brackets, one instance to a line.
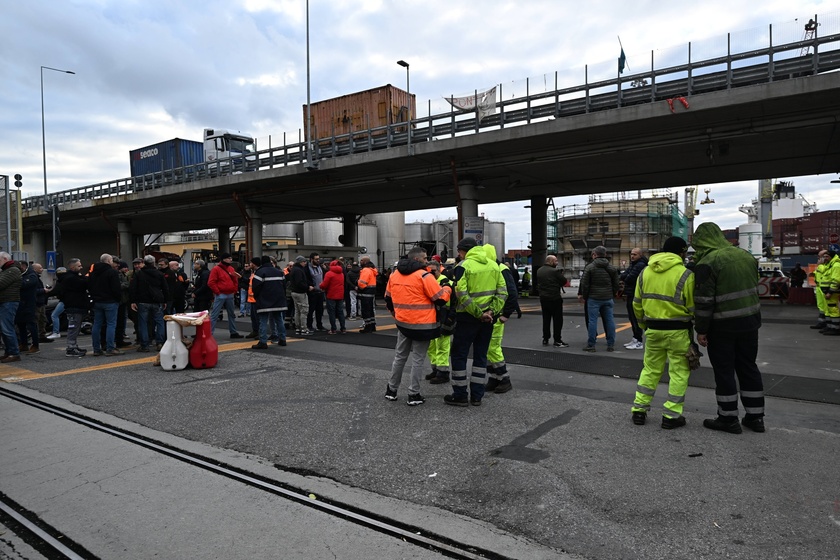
[622, 61]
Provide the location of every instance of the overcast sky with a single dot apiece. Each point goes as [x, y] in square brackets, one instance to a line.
[152, 70]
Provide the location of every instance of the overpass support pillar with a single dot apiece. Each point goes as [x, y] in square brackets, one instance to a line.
[469, 201]
[465, 194]
[539, 231]
[256, 224]
[37, 249]
[350, 236]
[224, 239]
[126, 240]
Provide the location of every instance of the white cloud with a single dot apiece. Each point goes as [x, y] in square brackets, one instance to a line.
[153, 70]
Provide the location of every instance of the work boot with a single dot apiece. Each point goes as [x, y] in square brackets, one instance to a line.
[671, 423]
[820, 325]
[729, 426]
[492, 383]
[639, 418]
[503, 387]
[442, 377]
[754, 424]
[432, 374]
[457, 400]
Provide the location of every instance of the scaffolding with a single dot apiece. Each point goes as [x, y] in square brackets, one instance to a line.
[618, 221]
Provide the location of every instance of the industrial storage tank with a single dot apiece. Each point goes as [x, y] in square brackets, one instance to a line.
[494, 234]
[419, 231]
[367, 239]
[390, 233]
[750, 239]
[322, 232]
[286, 230]
[444, 236]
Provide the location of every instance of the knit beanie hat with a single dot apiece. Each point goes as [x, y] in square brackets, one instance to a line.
[675, 245]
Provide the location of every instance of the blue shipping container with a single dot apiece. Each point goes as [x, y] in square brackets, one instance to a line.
[166, 155]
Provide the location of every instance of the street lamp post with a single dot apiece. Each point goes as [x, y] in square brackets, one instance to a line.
[311, 158]
[47, 205]
[404, 64]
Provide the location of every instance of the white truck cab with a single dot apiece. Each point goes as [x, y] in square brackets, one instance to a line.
[221, 145]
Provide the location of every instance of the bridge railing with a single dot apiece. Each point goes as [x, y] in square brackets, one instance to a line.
[762, 65]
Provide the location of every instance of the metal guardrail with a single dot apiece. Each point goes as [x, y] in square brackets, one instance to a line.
[716, 74]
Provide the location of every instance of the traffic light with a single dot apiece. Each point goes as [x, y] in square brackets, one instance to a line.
[18, 181]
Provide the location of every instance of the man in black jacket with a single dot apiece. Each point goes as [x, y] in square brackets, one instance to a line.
[202, 295]
[301, 286]
[637, 263]
[25, 319]
[148, 293]
[551, 281]
[104, 289]
[72, 291]
[269, 288]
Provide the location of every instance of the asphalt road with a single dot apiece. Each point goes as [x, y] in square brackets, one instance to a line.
[551, 469]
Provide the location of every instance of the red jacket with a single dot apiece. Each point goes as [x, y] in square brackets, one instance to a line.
[223, 279]
[333, 284]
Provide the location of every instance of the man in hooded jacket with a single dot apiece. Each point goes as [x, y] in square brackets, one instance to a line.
[663, 302]
[498, 379]
[480, 292]
[413, 297]
[728, 315]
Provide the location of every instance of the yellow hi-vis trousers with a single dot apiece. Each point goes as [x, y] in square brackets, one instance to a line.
[496, 366]
[662, 346]
[439, 352]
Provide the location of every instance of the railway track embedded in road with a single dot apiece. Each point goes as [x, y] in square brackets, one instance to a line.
[417, 536]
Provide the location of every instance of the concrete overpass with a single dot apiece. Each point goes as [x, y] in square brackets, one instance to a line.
[783, 126]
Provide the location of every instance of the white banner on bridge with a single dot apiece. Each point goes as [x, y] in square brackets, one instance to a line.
[486, 102]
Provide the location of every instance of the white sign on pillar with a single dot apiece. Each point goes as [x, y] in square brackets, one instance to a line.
[474, 227]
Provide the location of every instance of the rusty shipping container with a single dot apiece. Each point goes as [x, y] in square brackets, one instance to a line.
[359, 112]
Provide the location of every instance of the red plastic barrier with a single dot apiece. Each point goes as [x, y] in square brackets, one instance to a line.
[772, 287]
[204, 352]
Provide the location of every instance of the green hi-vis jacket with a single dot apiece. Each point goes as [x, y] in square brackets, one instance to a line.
[664, 298]
[479, 285]
[725, 284]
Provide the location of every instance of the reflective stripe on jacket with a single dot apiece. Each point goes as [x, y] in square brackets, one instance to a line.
[412, 293]
[832, 274]
[479, 284]
[726, 283]
[367, 278]
[664, 297]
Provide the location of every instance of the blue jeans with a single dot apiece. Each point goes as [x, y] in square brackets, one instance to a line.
[104, 315]
[7, 327]
[277, 324]
[470, 333]
[143, 312]
[335, 308]
[243, 302]
[56, 317]
[596, 307]
[226, 301]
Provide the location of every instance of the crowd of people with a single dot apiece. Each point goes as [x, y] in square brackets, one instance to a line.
[442, 315]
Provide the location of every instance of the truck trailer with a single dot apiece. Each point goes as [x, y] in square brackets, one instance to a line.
[222, 146]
